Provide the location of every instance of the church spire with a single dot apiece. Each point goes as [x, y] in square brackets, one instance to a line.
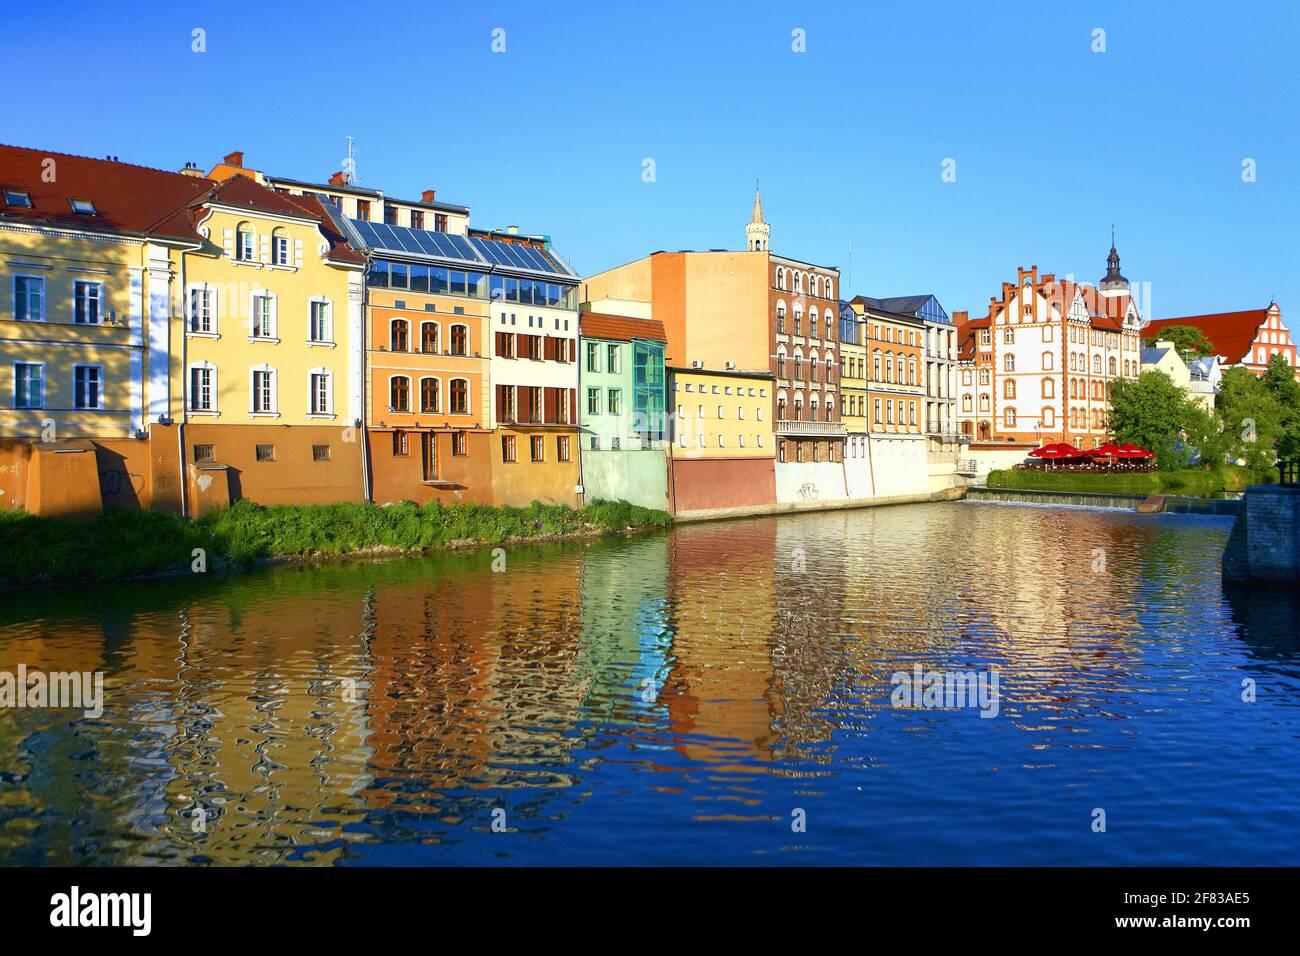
[758, 233]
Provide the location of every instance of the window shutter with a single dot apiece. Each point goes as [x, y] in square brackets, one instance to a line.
[297, 253]
[264, 248]
[228, 242]
[573, 400]
[549, 406]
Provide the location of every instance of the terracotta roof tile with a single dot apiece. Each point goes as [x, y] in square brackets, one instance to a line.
[1232, 333]
[622, 328]
[127, 198]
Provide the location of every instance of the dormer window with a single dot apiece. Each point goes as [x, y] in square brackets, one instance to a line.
[82, 207]
[17, 197]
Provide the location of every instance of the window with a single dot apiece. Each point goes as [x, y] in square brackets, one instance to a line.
[459, 396]
[615, 401]
[363, 213]
[399, 394]
[204, 453]
[266, 453]
[428, 394]
[202, 313]
[280, 248]
[390, 214]
[399, 443]
[508, 448]
[18, 197]
[29, 298]
[86, 386]
[458, 444]
[537, 447]
[244, 243]
[320, 452]
[1049, 388]
[593, 401]
[398, 338]
[439, 222]
[614, 362]
[459, 340]
[1009, 388]
[85, 301]
[321, 403]
[417, 219]
[263, 391]
[1009, 337]
[29, 385]
[1009, 363]
[593, 357]
[561, 447]
[203, 392]
[263, 317]
[318, 322]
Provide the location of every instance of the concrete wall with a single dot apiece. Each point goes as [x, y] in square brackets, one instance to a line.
[462, 479]
[1265, 541]
[524, 481]
[858, 478]
[708, 483]
[639, 477]
[809, 481]
[900, 466]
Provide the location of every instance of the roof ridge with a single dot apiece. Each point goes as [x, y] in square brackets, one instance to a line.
[95, 159]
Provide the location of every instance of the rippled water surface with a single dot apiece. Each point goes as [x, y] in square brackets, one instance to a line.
[682, 697]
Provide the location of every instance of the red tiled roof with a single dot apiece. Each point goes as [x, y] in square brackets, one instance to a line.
[241, 192]
[1232, 333]
[622, 328]
[127, 199]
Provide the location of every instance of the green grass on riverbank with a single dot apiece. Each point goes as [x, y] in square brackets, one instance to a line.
[123, 544]
[1190, 481]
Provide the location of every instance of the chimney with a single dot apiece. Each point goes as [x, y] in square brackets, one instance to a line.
[339, 179]
[235, 159]
[192, 170]
[427, 195]
[513, 230]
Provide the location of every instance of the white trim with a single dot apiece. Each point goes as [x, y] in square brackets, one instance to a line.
[274, 410]
[100, 301]
[13, 288]
[100, 391]
[329, 319]
[274, 310]
[13, 392]
[328, 411]
[192, 393]
[214, 300]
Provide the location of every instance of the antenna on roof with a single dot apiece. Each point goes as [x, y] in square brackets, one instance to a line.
[850, 282]
[350, 163]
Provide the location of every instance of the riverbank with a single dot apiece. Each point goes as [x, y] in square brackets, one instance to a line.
[1188, 482]
[129, 544]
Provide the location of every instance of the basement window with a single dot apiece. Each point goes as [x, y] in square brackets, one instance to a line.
[266, 453]
[17, 197]
[204, 453]
[320, 452]
[82, 207]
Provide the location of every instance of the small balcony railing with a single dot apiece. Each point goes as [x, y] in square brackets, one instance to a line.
[816, 429]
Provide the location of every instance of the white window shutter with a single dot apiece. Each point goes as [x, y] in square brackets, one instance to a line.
[264, 248]
[275, 315]
[228, 243]
[297, 253]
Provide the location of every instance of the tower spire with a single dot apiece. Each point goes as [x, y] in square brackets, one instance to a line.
[758, 233]
[1113, 281]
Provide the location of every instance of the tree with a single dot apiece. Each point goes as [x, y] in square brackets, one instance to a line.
[1156, 414]
[1186, 338]
[1254, 419]
[1280, 380]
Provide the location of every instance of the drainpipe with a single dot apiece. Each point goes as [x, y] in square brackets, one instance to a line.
[365, 432]
[185, 384]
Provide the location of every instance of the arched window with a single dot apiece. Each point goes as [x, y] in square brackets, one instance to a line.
[397, 337]
[280, 247]
[875, 365]
[798, 365]
[1009, 389]
[428, 394]
[1114, 365]
[459, 340]
[1049, 418]
[459, 396]
[830, 289]
[245, 243]
[780, 317]
[965, 403]
[812, 322]
[780, 363]
[830, 325]
[428, 336]
[830, 369]
[1047, 361]
[911, 370]
[1049, 388]
[798, 320]
[1009, 417]
[1073, 361]
[1009, 363]
[1096, 364]
[889, 367]
[780, 279]
[399, 394]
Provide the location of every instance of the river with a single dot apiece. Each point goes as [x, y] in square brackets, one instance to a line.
[717, 693]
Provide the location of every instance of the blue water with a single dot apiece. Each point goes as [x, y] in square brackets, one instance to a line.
[678, 698]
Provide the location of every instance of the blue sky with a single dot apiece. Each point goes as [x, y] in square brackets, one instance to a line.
[1052, 142]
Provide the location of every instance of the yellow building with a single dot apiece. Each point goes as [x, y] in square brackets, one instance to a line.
[853, 382]
[271, 363]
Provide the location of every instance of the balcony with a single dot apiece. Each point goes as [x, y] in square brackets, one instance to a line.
[810, 429]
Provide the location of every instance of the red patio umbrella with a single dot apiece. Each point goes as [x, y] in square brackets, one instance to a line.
[1056, 452]
[1133, 451]
[1108, 450]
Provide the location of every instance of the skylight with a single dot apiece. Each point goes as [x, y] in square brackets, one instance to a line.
[82, 207]
[17, 197]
